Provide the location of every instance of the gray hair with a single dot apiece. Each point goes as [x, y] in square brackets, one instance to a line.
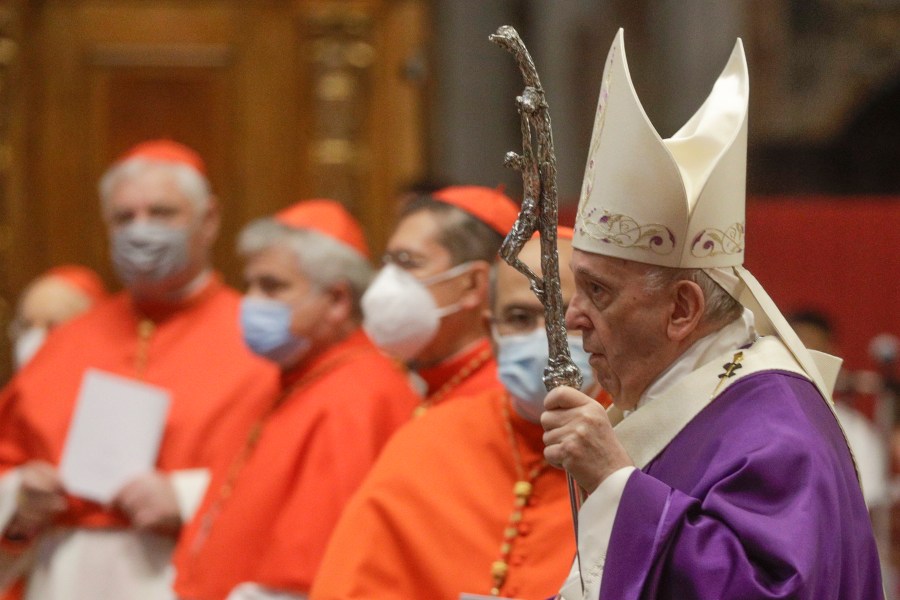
[721, 307]
[189, 181]
[322, 259]
[465, 237]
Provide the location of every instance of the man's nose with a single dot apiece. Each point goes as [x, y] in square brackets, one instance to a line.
[575, 317]
[142, 216]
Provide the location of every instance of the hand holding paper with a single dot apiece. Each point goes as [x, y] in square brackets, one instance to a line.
[40, 499]
[114, 437]
[150, 503]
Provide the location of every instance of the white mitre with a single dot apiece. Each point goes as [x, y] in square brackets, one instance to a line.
[679, 202]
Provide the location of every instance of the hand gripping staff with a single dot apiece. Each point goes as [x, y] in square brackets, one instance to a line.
[539, 212]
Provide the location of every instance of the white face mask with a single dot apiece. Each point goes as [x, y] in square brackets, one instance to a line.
[27, 345]
[399, 313]
[521, 360]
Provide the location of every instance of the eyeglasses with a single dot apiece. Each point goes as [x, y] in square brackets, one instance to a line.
[405, 260]
[518, 320]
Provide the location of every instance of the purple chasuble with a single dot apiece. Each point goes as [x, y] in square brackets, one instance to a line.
[756, 498]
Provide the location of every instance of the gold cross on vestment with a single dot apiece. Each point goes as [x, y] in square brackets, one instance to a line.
[732, 366]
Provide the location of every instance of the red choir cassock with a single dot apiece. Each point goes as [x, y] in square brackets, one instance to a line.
[268, 516]
[461, 501]
[194, 350]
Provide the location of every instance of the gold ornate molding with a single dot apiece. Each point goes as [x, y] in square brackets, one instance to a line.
[339, 53]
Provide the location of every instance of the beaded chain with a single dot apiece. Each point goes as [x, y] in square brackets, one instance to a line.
[451, 384]
[522, 490]
[145, 330]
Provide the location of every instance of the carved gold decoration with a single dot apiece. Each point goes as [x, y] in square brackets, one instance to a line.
[334, 152]
[8, 51]
[340, 55]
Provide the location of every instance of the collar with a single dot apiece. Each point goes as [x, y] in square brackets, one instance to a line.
[736, 334]
[440, 373]
[650, 428]
[353, 344]
[201, 288]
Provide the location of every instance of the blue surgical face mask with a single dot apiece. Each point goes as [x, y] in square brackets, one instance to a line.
[521, 360]
[266, 327]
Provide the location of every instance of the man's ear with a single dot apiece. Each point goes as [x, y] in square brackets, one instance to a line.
[486, 317]
[688, 305]
[475, 292]
[340, 303]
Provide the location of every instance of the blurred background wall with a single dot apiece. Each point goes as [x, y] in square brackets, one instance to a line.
[361, 99]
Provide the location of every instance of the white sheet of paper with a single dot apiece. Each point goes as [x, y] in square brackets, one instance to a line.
[114, 435]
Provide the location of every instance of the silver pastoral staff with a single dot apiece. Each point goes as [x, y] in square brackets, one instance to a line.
[540, 211]
[537, 164]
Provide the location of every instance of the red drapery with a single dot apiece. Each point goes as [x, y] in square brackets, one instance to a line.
[837, 255]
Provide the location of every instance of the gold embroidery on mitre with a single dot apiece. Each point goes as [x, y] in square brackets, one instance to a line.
[713, 242]
[625, 232]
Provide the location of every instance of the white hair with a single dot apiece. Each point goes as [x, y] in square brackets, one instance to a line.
[322, 259]
[189, 181]
[721, 307]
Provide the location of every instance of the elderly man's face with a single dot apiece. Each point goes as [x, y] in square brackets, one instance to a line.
[623, 324]
[152, 196]
[274, 274]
